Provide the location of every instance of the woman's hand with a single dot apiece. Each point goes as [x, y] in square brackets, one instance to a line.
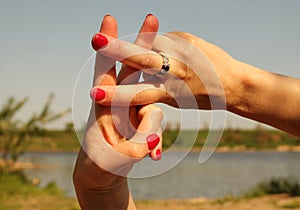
[203, 76]
[115, 138]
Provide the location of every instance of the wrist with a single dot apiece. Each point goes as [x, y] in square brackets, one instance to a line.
[246, 95]
[115, 196]
[235, 82]
[96, 187]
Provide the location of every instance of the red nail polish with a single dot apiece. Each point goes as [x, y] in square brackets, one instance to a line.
[158, 154]
[98, 94]
[99, 41]
[149, 15]
[152, 141]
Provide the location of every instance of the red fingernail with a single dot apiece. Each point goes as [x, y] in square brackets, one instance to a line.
[158, 154]
[152, 141]
[149, 15]
[98, 94]
[99, 41]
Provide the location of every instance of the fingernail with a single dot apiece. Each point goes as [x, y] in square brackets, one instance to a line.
[158, 154]
[149, 15]
[99, 41]
[152, 141]
[98, 94]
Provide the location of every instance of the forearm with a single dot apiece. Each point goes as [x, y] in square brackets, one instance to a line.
[268, 98]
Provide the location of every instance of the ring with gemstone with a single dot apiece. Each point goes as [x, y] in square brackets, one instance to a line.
[165, 66]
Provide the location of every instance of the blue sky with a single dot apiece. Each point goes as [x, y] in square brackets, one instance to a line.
[44, 44]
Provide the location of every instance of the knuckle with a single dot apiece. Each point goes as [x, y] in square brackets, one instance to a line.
[143, 97]
[116, 46]
[145, 61]
[146, 109]
[139, 96]
[137, 151]
[181, 70]
[159, 113]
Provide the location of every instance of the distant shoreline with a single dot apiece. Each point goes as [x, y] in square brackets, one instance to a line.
[193, 150]
[224, 149]
[60, 141]
[280, 148]
[221, 149]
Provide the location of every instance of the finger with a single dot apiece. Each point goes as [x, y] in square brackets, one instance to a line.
[105, 73]
[147, 137]
[144, 39]
[118, 159]
[147, 32]
[157, 152]
[137, 57]
[130, 95]
[168, 44]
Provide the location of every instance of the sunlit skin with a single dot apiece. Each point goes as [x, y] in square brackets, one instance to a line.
[249, 91]
[100, 174]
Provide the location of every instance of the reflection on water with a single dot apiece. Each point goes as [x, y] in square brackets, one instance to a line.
[223, 174]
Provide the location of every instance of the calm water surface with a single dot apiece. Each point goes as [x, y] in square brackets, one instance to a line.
[223, 174]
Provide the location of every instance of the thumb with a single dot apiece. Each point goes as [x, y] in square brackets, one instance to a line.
[147, 138]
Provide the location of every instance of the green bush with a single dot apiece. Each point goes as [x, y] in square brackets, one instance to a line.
[276, 186]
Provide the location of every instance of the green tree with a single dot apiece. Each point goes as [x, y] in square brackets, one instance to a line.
[15, 133]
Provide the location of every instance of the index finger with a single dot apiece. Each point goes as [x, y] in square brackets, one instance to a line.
[132, 55]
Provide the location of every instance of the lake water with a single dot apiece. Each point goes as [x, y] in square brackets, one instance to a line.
[223, 174]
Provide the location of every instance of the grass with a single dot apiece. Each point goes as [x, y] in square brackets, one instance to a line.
[286, 190]
[281, 186]
[228, 198]
[291, 205]
[17, 192]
